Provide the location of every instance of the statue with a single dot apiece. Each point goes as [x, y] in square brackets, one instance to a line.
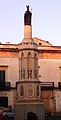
[27, 16]
[29, 73]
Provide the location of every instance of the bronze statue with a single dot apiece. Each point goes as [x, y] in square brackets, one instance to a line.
[27, 16]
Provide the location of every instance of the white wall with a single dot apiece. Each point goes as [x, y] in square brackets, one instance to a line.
[49, 70]
[12, 69]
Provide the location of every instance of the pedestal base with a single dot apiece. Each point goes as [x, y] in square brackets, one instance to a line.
[29, 111]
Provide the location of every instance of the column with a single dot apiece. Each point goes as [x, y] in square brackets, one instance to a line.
[25, 64]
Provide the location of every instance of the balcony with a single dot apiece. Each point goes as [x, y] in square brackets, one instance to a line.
[47, 85]
[5, 86]
[59, 85]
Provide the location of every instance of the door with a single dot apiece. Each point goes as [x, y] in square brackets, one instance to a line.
[3, 101]
[31, 116]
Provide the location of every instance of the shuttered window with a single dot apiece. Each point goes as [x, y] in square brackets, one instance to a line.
[2, 77]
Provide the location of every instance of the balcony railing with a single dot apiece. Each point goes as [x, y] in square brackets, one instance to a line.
[59, 85]
[47, 85]
[5, 86]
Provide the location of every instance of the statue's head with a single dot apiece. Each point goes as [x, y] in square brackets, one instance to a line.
[27, 7]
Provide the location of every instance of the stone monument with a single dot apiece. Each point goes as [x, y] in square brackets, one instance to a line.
[28, 105]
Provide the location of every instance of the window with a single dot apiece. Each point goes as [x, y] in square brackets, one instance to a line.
[3, 101]
[40, 43]
[37, 90]
[2, 77]
[60, 72]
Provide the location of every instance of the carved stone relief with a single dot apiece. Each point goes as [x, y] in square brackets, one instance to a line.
[22, 90]
[30, 90]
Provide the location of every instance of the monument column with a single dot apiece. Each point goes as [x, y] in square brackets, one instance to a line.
[28, 103]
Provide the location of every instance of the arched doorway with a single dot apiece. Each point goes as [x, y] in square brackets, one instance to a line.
[31, 116]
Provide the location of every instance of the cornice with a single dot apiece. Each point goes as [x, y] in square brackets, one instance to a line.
[9, 49]
[49, 51]
[28, 49]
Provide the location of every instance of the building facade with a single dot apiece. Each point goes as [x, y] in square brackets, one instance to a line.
[49, 72]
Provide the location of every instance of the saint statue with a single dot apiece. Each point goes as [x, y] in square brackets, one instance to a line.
[27, 17]
[29, 73]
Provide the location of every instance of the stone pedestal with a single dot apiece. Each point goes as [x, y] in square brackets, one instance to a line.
[23, 110]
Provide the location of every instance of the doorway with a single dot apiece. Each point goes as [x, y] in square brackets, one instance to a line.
[3, 101]
[31, 116]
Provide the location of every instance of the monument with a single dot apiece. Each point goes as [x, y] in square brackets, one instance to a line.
[28, 104]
